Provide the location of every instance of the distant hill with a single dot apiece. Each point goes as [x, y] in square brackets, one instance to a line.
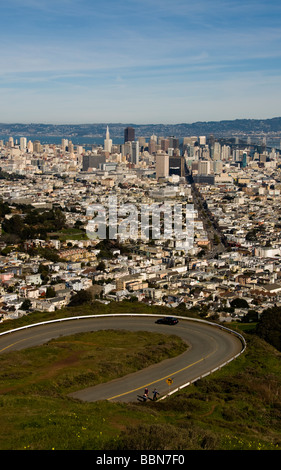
[217, 128]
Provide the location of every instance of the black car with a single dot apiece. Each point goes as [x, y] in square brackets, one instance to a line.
[167, 321]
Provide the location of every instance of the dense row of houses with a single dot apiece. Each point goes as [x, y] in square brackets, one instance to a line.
[242, 203]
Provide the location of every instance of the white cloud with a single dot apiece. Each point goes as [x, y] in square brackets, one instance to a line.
[165, 56]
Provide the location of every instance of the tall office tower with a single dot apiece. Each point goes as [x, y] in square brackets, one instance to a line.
[129, 134]
[236, 155]
[202, 140]
[92, 161]
[162, 166]
[64, 144]
[174, 142]
[211, 140]
[190, 140]
[217, 151]
[176, 166]
[107, 142]
[244, 160]
[135, 152]
[142, 142]
[152, 146]
[70, 147]
[29, 146]
[37, 147]
[23, 143]
[127, 149]
[204, 167]
[164, 144]
[11, 142]
[225, 152]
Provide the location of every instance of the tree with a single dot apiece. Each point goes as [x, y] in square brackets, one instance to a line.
[251, 316]
[101, 266]
[239, 303]
[50, 292]
[44, 271]
[269, 327]
[14, 225]
[80, 298]
[26, 305]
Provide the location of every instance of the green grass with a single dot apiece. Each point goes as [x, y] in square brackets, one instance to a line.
[69, 363]
[236, 408]
[70, 234]
[34, 384]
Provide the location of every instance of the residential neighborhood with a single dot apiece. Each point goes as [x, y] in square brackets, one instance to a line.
[231, 268]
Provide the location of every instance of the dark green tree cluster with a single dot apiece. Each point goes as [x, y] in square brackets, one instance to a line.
[107, 247]
[10, 176]
[269, 327]
[4, 209]
[239, 303]
[34, 223]
[80, 298]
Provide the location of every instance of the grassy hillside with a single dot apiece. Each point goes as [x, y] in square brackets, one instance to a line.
[237, 408]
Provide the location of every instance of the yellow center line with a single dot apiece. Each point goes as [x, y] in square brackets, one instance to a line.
[21, 341]
[136, 389]
[163, 378]
[12, 344]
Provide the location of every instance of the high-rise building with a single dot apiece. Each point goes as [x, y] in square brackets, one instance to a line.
[30, 146]
[129, 134]
[127, 149]
[174, 142]
[217, 151]
[23, 143]
[142, 142]
[37, 147]
[107, 142]
[162, 166]
[164, 144]
[204, 167]
[70, 147]
[225, 152]
[152, 146]
[176, 166]
[244, 160]
[64, 144]
[135, 152]
[190, 140]
[92, 161]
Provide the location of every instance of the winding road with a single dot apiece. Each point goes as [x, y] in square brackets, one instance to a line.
[210, 347]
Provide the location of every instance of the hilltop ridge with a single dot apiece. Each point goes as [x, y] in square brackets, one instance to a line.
[219, 128]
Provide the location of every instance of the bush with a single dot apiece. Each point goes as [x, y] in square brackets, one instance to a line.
[269, 327]
[164, 437]
[80, 298]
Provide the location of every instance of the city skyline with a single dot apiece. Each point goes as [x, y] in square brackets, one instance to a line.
[139, 61]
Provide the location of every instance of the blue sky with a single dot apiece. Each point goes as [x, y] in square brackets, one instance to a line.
[139, 61]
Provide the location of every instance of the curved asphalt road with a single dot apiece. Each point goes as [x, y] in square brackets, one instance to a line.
[209, 347]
